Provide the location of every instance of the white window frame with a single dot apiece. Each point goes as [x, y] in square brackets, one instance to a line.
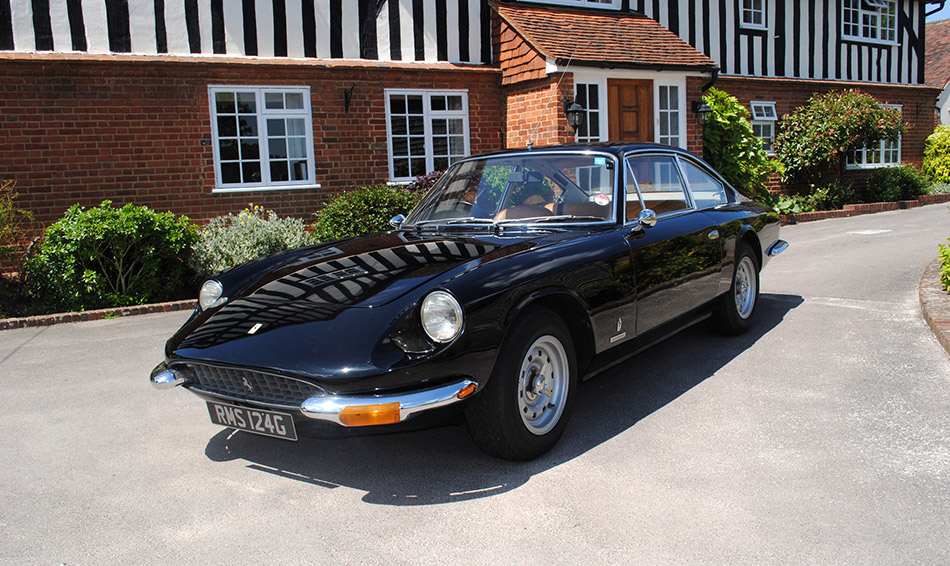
[262, 115]
[591, 115]
[858, 158]
[764, 115]
[608, 4]
[886, 35]
[747, 7]
[672, 114]
[429, 116]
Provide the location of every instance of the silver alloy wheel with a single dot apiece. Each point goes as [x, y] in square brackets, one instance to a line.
[745, 287]
[543, 384]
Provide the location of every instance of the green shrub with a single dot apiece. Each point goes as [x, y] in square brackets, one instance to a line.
[816, 138]
[730, 146]
[896, 183]
[938, 189]
[945, 265]
[795, 204]
[11, 219]
[234, 239]
[107, 257]
[363, 211]
[937, 155]
[832, 196]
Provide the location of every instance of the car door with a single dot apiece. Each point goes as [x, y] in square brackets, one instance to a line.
[677, 260]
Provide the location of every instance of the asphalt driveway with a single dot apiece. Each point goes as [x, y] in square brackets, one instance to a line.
[821, 437]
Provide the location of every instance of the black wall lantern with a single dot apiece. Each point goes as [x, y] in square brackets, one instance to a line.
[702, 111]
[575, 113]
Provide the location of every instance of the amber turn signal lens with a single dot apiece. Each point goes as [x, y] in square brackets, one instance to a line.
[367, 415]
[466, 391]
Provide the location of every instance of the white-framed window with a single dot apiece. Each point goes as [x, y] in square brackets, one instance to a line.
[615, 4]
[752, 14]
[882, 154]
[869, 20]
[764, 119]
[262, 137]
[668, 112]
[588, 96]
[427, 131]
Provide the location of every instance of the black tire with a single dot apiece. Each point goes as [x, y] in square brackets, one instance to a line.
[735, 311]
[520, 415]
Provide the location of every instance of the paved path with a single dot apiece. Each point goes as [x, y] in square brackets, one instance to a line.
[821, 437]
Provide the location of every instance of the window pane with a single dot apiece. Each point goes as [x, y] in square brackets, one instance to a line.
[397, 104]
[418, 167]
[277, 147]
[659, 183]
[440, 163]
[227, 126]
[439, 127]
[297, 147]
[417, 146]
[456, 127]
[278, 171]
[399, 126]
[224, 103]
[252, 172]
[707, 191]
[230, 172]
[294, 100]
[400, 146]
[296, 127]
[438, 103]
[248, 127]
[273, 100]
[455, 103]
[276, 128]
[457, 145]
[414, 104]
[417, 125]
[228, 150]
[440, 146]
[250, 149]
[247, 103]
[400, 168]
[298, 170]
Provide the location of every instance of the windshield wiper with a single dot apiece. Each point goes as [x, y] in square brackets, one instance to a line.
[447, 221]
[558, 218]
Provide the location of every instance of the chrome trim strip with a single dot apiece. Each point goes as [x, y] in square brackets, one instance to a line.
[327, 408]
[777, 247]
[164, 378]
[252, 402]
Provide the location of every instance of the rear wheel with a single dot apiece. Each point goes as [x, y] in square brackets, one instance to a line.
[523, 410]
[736, 310]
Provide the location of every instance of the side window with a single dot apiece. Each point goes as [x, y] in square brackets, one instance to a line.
[707, 191]
[659, 183]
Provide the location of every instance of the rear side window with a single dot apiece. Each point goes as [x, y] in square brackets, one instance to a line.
[707, 190]
[658, 179]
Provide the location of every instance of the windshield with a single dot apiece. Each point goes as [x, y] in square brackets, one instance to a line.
[525, 188]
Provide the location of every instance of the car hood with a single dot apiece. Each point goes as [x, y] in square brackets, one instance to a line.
[323, 283]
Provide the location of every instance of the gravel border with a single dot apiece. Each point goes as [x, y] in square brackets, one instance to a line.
[935, 304]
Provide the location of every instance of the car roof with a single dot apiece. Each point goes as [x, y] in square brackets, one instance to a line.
[616, 148]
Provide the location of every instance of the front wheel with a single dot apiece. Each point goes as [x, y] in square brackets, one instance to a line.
[523, 410]
[736, 310]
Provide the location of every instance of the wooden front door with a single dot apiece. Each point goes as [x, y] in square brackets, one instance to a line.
[630, 110]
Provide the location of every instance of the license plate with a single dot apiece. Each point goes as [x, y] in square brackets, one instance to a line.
[268, 423]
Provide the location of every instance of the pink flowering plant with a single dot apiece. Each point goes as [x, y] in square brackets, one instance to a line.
[816, 138]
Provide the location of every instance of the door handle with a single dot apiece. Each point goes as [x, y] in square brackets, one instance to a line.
[714, 235]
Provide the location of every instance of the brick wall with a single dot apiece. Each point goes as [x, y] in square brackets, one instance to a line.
[137, 129]
[535, 110]
[917, 109]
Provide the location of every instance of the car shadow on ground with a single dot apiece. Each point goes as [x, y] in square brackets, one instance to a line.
[442, 465]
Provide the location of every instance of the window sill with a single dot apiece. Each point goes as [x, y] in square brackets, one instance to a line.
[866, 41]
[854, 167]
[262, 188]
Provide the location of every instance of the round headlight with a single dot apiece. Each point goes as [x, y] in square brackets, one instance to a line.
[441, 316]
[211, 294]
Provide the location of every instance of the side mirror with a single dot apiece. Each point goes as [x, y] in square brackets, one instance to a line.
[396, 221]
[647, 218]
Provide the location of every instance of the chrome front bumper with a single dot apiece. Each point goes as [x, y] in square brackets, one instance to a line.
[331, 407]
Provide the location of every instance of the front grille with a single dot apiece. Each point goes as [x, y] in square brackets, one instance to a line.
[246, 384]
